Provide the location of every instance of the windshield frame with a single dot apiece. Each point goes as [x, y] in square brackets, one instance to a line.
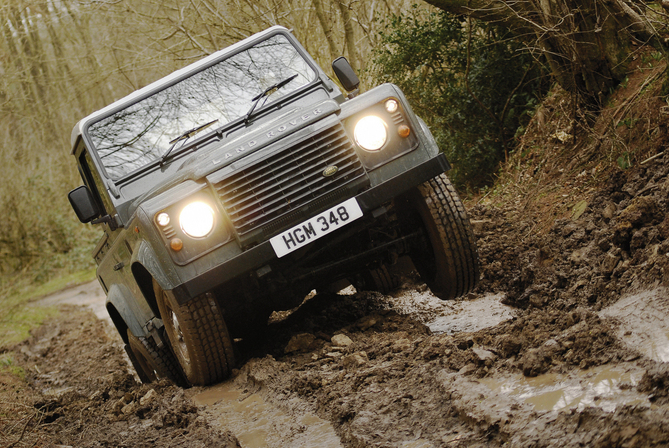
[187, 72]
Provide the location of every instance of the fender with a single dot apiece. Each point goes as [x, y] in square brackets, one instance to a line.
[146, 256]
[121, 300]
[430, 143]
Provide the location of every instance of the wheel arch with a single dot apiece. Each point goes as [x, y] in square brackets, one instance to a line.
[145, 268]
[121, 314]
[144, 281]
[118, 321]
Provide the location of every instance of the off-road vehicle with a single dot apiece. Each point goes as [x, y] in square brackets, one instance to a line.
[236, 185]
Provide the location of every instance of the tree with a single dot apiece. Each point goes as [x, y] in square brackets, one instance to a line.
[588, 43]
[472, 84]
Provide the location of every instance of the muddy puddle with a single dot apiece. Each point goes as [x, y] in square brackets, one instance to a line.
[451, 316]
[643, 322]
[605, 387]
[473, 315]
[257, 423]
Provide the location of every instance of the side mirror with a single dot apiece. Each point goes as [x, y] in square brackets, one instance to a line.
[84, 204]
[346, 75]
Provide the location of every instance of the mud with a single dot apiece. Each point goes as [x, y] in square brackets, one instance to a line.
[563, 343]
[78, 391]
[258, 423]
[643, 322]
[604, 387]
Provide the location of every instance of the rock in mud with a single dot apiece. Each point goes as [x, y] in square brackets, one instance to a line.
[341, 340]
[149, 397]
[303, 342]
[129, 408]
[355, 360]
[484, 355]
[610, 262]
[533, 363]
[609, 210]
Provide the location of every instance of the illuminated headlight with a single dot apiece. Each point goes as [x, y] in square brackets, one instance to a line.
[163, 219]
[392, 106]
[371, 133]
[197, 219]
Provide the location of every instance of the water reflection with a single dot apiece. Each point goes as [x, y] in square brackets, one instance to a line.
[605, 387]
[140, 133]
[258, 423]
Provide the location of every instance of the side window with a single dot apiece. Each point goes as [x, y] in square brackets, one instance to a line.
[93, 180]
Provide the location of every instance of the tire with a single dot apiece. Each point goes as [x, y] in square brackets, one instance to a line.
[448, 263]
[377, 279]
[198, 335]
[153, 363]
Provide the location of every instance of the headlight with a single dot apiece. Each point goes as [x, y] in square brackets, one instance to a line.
[371, 133]
[197, 219]
[163, 219]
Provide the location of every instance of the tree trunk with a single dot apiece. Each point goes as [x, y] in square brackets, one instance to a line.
[586, 42]
[349, 35]
[326, 25]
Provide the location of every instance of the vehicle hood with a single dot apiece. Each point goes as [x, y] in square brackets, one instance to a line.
[240, 143]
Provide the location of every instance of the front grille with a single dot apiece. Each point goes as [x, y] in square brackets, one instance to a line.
[287, 179]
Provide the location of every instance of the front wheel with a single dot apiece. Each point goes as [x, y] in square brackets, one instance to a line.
[447, 261]
[198, 335]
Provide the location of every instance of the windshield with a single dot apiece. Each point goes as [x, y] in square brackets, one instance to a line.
[141, 133]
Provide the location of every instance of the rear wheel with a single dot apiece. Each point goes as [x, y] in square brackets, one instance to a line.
[448, 259]
[151, 362]
[198, 335]
[377, 279]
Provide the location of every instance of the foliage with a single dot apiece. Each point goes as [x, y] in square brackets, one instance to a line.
[474, 105]
[586, 43]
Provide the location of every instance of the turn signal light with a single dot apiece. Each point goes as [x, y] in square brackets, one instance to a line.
[403, 130]
[176, 244]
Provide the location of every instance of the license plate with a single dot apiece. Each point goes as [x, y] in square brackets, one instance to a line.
[316, 227]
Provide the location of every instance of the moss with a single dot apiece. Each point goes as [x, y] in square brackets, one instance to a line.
[8, 366]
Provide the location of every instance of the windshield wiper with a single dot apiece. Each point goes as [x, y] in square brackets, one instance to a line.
[185, 136]
[265, 94]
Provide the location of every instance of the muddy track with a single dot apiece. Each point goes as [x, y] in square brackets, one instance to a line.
[564, 343]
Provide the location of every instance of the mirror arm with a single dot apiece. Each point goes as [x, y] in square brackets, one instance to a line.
[111, 220]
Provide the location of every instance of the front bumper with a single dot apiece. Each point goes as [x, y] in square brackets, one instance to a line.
[263, 253]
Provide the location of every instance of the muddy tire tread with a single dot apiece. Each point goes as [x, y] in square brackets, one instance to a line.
[455, 233]
[384, 281]
[213, 357]
[205, 334]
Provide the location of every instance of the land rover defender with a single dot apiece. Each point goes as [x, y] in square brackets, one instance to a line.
[238, 184]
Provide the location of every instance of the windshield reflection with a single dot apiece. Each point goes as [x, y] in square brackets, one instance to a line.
[140, 133]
